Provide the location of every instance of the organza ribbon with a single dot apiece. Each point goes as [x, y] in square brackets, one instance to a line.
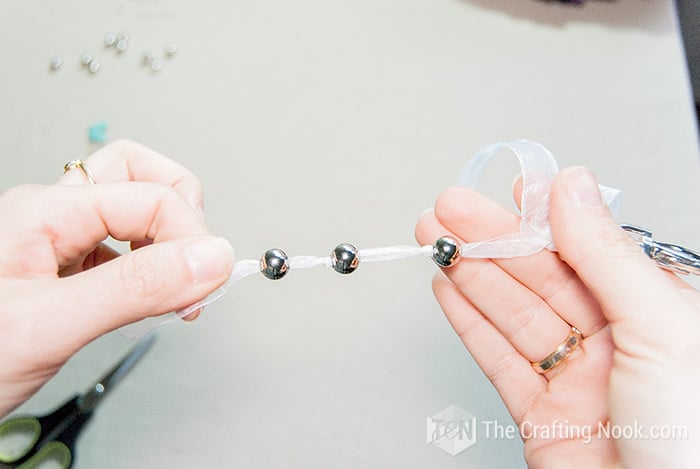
[538, 168]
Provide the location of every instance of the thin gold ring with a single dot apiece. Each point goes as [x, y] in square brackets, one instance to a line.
[563, 350]
[80, 164]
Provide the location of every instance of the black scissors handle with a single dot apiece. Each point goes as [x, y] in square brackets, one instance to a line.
[53, 436]
[60, 427]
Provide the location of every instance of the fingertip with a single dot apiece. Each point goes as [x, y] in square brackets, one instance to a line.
[452, 204]
[210, 258]
[422, 225]
[517, 190]
[578, 186]
[440, 282]
[193, 315]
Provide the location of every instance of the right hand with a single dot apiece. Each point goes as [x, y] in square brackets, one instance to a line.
[639, 362]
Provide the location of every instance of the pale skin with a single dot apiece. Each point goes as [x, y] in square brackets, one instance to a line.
[61, 288]
[638, 361]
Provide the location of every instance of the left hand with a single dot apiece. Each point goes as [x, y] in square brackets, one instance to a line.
[60, 288]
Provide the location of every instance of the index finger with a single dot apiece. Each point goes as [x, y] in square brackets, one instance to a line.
[125, 160]
[474, 217]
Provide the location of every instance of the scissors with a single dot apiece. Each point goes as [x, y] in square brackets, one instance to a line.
[47, 441]
[668, 256]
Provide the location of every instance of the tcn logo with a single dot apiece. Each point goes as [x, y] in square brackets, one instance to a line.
[453, 430]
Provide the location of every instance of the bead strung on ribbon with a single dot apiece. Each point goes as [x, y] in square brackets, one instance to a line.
[345, 258]
[538, 168]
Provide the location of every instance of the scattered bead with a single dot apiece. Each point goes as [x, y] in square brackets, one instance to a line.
[86, 59]
[446, 252]
[344, 258]
[110, 39]
[94, 66]
[55, 63]
[97, 133]
[170, 49]
[156, 65]
[121, 46]
[274, 264]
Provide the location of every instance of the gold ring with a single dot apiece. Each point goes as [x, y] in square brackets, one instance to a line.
[562, 351]
[81, 166]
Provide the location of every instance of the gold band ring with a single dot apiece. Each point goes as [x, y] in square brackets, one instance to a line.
[79, 164]
[560, 354]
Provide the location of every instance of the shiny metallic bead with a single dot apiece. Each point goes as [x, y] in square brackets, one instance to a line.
[110, 39]
[274, 264]
[344, 258]
[55, 63]
[156, 65]
[170, 49]
[121, 46]
[94, 66]
[446, 252]
[85, 59]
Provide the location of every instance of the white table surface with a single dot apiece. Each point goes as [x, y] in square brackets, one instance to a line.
[316, 122]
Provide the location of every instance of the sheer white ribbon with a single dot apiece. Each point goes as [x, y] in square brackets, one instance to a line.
[538, 168]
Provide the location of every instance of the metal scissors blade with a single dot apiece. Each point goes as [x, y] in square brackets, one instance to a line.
[667, 256]
[110, 379]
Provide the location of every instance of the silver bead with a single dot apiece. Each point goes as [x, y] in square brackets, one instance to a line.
[170, 49]
[110, 39]
[94, 66]
[121, 46]
[274, 264]
[344, 258]
[55, 63]
[156, 65]
[85, 59]
[446, 252]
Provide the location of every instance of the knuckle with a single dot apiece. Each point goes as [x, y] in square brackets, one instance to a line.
[605, 240]
[468, 329]
[521, 318]
[142, 277]
[189, 187]
[126, 151]
[469, 270]
[124, 146]
[26, 199]
[22, 192]
[195, 186]
[557, 281]
[501, 369]
[614, 242]
[167, 196]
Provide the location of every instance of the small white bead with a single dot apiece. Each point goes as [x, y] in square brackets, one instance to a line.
[94, 66]
[170, 49]
[110, 39]
[86, 59]
[121, 46]
[156, 65]
[55, 63]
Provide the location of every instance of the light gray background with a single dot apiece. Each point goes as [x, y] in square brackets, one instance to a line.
[319, 121]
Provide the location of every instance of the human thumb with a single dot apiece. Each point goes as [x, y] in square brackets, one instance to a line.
[626, 283]
[149, 281]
